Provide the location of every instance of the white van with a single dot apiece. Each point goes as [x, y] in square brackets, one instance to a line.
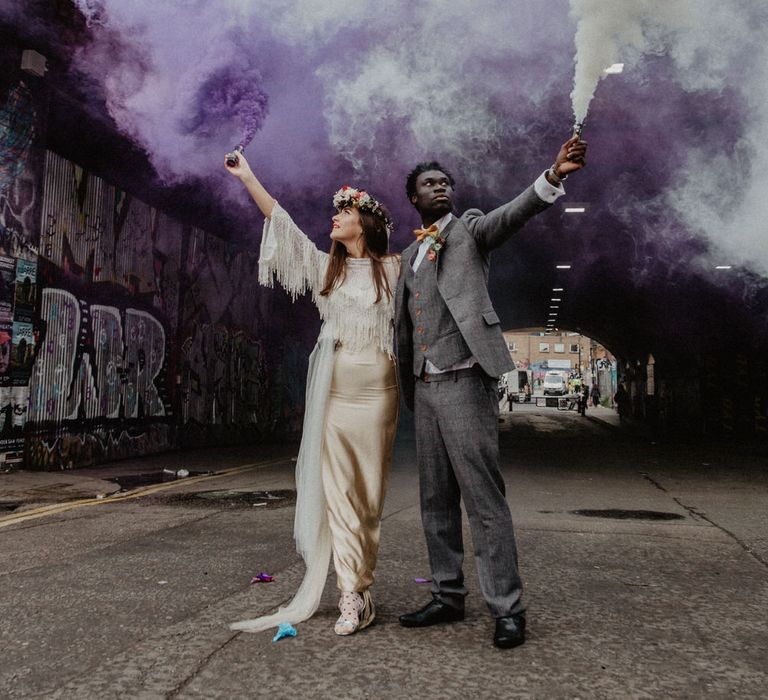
[555, 384]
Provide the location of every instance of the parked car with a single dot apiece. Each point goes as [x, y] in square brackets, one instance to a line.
[555, 384]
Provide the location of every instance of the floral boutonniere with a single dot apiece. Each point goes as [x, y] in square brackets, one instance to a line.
[436, 241]
[436, 244]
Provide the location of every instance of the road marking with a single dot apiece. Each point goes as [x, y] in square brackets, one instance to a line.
[56, 508]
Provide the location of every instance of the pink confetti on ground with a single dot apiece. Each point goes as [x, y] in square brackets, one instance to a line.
[262, 577]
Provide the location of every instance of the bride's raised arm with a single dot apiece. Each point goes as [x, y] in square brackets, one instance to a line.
[240, 168]
[286, 252]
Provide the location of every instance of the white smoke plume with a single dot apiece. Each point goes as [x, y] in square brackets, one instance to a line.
[715, 45]
[698, 35]
[439, 80]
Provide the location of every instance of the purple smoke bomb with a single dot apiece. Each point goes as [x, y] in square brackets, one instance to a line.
[232, 159]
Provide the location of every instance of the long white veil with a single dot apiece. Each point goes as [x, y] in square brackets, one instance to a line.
[311, 532]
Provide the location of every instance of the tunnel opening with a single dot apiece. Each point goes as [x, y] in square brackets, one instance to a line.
[558, 369]
[674, 388]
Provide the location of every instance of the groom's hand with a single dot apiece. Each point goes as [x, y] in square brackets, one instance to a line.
[572, 157]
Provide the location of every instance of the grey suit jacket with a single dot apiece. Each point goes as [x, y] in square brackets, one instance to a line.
[462, 280]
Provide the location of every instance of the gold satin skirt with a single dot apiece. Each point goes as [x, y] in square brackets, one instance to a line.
[361, 420]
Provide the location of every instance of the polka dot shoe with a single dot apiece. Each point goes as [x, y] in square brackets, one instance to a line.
[357, 612]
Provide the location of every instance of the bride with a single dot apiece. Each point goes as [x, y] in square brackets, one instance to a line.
[352, 396]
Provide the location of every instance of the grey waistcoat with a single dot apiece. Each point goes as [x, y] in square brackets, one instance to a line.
[436, 336]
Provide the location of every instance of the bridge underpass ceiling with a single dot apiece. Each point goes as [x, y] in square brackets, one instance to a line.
[669, 192]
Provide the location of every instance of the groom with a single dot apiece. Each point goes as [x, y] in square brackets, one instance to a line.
[450, 352]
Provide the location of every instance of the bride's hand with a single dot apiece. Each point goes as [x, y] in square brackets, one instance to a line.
[241, 168]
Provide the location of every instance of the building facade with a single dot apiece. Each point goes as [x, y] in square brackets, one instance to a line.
[581, 357]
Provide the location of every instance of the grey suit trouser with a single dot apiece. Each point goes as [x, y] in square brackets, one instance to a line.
[457, 445]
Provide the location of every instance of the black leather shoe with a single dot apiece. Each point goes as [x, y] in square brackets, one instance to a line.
[433, 613]
[510, 631]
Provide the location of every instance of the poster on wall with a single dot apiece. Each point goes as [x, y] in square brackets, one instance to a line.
[7, 283]
[6, 333]
[22, 352]
[14, 402]
[26, 288]
[21, 163]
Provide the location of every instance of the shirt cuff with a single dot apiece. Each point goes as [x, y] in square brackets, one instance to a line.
[546, 191]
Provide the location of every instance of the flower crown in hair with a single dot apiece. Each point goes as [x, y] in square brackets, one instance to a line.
[350, 197]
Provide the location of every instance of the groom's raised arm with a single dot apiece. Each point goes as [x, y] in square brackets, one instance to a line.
[496, 227]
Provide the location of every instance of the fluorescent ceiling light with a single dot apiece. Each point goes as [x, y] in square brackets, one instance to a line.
[575, 210]
[557, 289]
[614, 69]
[723, 267]
[555, 299]
[563, 267]
[554, 306]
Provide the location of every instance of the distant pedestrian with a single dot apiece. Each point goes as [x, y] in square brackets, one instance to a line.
[584, 400]
[595, 394]
[621, 401]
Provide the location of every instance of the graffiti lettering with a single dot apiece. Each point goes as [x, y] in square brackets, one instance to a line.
[126, 364]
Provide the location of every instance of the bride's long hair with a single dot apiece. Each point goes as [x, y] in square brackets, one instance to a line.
[375, 246]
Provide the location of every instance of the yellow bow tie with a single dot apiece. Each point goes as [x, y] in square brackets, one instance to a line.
[422, 233]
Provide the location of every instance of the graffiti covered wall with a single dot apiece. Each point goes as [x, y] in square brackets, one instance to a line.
[146, 336]
[224, 359]
[122, 331]
[21, 165]
[109, 271]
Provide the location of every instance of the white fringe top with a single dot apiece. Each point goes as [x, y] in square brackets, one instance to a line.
[349, 313]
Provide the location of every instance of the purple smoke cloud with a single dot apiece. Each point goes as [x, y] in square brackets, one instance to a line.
[356, 93]
[231, 93]
[182, 90]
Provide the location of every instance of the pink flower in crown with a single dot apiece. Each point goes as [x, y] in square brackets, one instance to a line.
[431, 255]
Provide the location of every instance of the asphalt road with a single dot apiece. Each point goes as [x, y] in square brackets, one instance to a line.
[660, 592]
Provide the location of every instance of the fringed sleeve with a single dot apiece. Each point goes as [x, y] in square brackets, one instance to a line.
[290, 257]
